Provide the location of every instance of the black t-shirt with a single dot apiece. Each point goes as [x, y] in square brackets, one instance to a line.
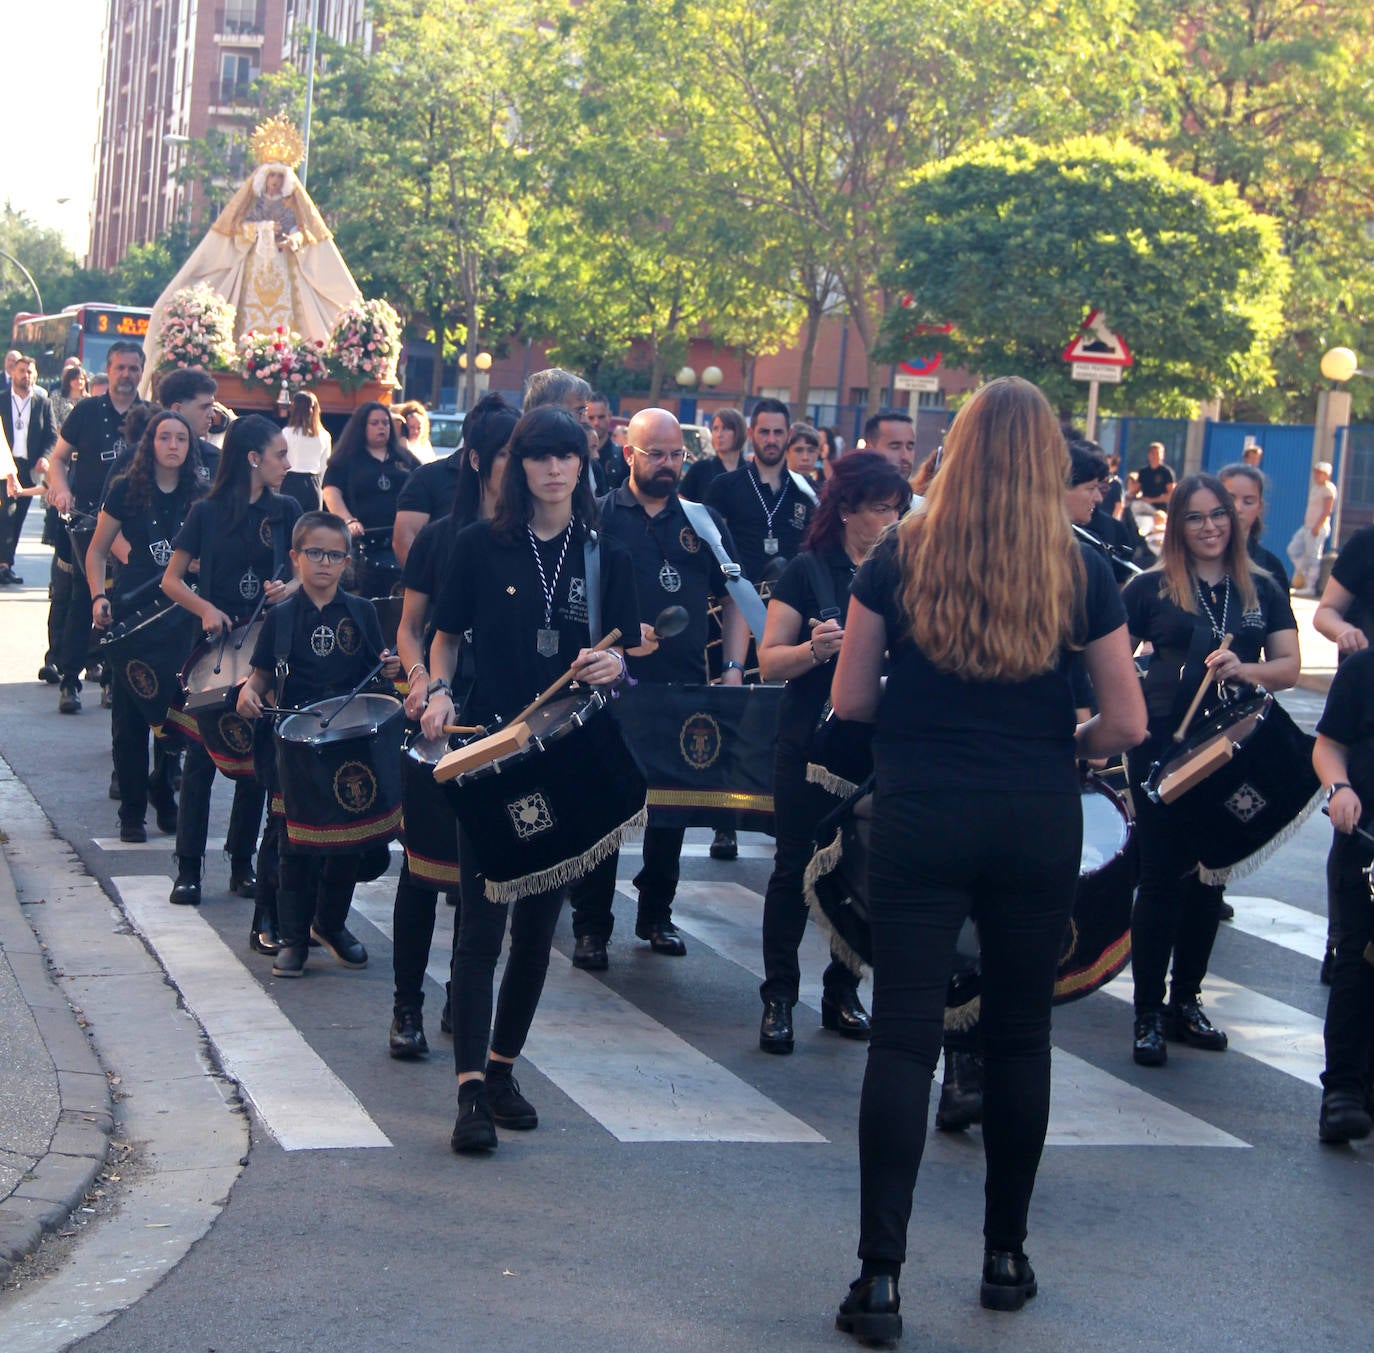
[1154, 482]
[94, 428]
[1154, 617]
[747, 505]
[369, 486]
[150, 532]
[206, 465]
[673, 566]
[804, 696]
[430, 489]
[1354, 570]
[1349, 719]
[938, 731]
[493, 588]
[1115, 493]
[329, 652]
[236, 561]
[609, 470]
[701, 474]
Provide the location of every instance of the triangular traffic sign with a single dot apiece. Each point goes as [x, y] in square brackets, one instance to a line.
[1097, 343]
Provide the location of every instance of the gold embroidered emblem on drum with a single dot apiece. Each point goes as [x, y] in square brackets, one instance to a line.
[699, 741]
[355, 787]
[237, 735]
[530, 815]
[142, 679]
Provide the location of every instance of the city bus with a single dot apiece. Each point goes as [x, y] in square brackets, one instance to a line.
[82, 331]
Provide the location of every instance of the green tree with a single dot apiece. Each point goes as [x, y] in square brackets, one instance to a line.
[1013, 242]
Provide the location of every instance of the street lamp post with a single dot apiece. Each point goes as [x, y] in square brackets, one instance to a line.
[28, 277]
[1333, 413]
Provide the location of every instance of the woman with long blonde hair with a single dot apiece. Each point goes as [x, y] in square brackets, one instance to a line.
[983, 601]
[1203, 590]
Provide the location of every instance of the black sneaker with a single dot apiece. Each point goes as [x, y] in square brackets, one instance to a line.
[134, 833]
[1343, 1118]
[509, 1107]
[69, 700]
[724, 846]
[475, 1129]
[407, 1039]
[49, 675]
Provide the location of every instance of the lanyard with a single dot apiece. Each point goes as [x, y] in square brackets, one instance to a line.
[758, 493]
[547, 588]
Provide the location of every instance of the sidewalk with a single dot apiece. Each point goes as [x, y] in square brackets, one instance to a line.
[56, 1115]
[1318, 654]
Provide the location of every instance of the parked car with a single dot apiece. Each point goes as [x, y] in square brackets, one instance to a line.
[445, 431]
[696, 437]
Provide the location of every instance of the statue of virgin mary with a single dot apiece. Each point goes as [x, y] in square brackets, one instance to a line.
[269, 252]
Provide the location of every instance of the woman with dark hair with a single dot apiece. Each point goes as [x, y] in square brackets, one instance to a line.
[863, 497]
[1245, 484]
[71, 388]
[1203, 590]
[367, 470]
[241, 534]
[431, 858]
[975, 725]
[149, 503]
[308, 444]
[518, 583]
[831, 449]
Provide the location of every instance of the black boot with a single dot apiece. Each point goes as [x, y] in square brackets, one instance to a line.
[262, 934]
[961, 1093]
[186, 889]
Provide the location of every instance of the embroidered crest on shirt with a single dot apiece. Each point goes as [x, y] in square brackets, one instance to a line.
[265, 532]
[161, 550]
[322, 641]
[349, 639]
[689, 540]
[249, 585]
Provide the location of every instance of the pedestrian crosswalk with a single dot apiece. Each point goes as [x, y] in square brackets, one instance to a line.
[643, 1082]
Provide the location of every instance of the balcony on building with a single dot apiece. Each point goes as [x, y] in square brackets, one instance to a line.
[241, 25]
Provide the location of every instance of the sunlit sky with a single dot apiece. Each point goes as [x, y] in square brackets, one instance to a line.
[50, 91]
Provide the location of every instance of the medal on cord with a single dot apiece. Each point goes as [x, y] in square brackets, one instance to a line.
[1218, 630]
[546, 639]
[770, 541]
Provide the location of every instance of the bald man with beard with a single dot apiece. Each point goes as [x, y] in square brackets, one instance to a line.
[673, 567]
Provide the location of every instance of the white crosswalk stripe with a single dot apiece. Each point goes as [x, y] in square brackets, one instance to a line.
[1266, 918]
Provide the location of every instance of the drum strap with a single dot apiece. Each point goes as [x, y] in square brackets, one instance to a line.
[591, 566]
[804, 486]
[821, 583]
[740, 588]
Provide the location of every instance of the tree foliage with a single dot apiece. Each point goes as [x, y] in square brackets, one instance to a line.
[1013, 243]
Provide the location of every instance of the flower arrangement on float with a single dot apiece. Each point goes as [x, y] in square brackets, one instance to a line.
[279, 356]
[365, 344]
[197, 330]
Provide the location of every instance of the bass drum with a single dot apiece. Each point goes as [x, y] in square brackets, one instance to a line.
[1097, 941]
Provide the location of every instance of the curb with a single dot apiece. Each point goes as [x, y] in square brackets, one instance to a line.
[58, 1181]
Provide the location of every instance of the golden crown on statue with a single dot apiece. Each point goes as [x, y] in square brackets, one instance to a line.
[277, 141]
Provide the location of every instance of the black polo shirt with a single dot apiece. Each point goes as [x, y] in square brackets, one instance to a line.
[94, 429]
[936, 731]
[150, 532]
[236, 561]
[1349, 719]
[1152, 615]
[673, 566]
[492, 588]
[370, 487]
[804, 696]
[701, 474]
[329, 653]
[1354, 570]
[609, 470]
[430, 489]
[748, 506]
[1154, 482]
[206, 465]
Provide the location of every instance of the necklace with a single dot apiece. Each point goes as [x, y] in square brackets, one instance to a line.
[1219, 631]
[770, 541]
[546, 639]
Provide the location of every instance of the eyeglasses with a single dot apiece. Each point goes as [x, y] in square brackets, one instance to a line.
[660, 457]
[319, 556]
[1195, 521]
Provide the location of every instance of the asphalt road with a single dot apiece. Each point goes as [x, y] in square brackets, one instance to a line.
[684, 1191]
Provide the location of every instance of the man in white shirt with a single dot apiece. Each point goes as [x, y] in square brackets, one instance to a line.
[1309, 540]
[26, 422]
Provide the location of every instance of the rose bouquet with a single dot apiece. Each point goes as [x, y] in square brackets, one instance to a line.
[197, 329]
[277, 357]
[365, 344]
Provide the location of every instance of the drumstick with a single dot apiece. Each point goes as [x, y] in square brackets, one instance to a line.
[1201, 691]
[561, 682]
[357, 690]
[465, 728]
[1359, 831]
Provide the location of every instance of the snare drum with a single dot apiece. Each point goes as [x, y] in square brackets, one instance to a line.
[430, 830]
[341, 785]
[375, 569]
[211, 679]
[551, 811]
[145, 652]
[841, 754]
[1097, 942]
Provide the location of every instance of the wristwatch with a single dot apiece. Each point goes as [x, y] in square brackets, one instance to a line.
[1339, 785]
[440, 688]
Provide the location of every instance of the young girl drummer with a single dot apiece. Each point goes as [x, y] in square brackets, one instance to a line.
[148, 503]
[518, 583]
[241, 535]
[321, 663]
[1204, 588]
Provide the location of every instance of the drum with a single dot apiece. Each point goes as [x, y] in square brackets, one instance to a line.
[551, 811]
[341, 785]
[145, 652]
[1097, 942]
[375, 568]
[80, 527]
[211, 679]
[430, 830]
[1238, 787]
[841, 756]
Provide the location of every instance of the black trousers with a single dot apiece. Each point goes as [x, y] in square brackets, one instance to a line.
[1350, 1004]
[313, 887]
[193, 818]
[412, 933]
[932, 864]
[477, 934]
[72, 636]
[1176, 914]
[129, 733]
[12, 513]
[797, 807]
[656, 883]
